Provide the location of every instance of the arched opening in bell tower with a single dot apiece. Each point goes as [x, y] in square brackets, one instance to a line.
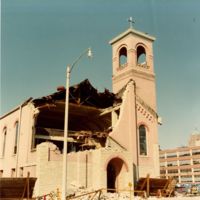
[141, 55]
[123, 57]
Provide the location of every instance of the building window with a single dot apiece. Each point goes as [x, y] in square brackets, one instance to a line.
[184, 153]
[1, 173]
[162, 164]
[4, 142]
[186, 179]
[185, 170]
[123, 57]
[184, 162]
[141, 56]
[197, 178]
[171, 155]
[176, 178]
[196, 161]
[162, 156]
[172, 171]
[21, 172]
[13, 172]
[162, 171]
[16, 136]
[195, 152]
[171, 163]
[143, 140]
[196, 169]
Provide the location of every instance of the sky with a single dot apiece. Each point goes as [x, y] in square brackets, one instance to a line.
[39, 38]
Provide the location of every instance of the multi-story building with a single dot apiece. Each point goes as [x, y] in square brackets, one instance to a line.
[182, 163]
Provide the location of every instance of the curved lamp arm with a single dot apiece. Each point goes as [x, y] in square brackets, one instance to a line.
[89, 54]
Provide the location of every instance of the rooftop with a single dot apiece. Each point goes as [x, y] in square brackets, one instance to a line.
[132, 31]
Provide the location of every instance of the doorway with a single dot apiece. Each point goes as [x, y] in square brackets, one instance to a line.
[115, 174]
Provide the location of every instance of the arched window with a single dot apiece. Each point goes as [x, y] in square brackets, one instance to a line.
[16, 136]
[123, 57]
[141, 55]
[4, 142]
[143, 140]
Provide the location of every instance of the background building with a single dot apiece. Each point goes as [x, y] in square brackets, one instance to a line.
[182, 163]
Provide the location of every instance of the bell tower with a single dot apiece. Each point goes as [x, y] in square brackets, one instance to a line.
[132, 58]
[133, 71]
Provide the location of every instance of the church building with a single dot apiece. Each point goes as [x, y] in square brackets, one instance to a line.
[112, 136]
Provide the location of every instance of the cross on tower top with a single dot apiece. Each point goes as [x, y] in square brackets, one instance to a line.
[131, 22]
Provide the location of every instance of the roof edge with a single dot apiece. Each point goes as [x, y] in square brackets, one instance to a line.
[16, 108]
[131, 31]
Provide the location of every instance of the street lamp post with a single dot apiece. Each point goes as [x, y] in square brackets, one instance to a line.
[68, 71]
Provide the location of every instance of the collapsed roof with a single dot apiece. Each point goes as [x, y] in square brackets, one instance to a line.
[85, 106]
[81, 94]
[86, 122]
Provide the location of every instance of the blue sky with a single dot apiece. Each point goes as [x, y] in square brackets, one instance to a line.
[40, 37]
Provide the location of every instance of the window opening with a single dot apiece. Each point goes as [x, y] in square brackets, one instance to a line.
[1, 173]
[184, 153]
[186, 170]
[186, 178]
[16, 136]
[141, 56]
[143, 142]
[117, 113]
[172, 171]
[162, 156]
[172, 163]
[196, 161]
[13, 172]
[4, 141]
[123, 57]
[21, 172]
[184, 162]
[195, 151]
[162, 171]
[171, 155]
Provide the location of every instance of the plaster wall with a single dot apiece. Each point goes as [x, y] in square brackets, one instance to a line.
[24, 160]
[81, 172]
[125, 132]
[131, 43]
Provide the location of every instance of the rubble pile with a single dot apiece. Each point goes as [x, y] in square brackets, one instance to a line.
[82, 193]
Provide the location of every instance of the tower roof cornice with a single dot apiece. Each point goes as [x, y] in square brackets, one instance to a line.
[131, 31]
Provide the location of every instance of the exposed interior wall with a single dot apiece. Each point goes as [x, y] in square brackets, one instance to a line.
[124, 131]
[88, 129]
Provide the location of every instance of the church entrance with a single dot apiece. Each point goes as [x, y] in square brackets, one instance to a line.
[111, 177]
[115, 174]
